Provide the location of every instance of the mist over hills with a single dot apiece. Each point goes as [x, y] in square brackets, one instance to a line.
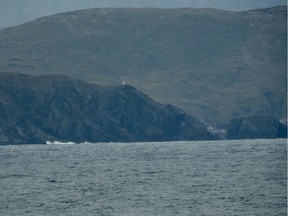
[214, 64]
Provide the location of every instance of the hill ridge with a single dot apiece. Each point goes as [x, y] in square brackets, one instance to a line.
[216, 65]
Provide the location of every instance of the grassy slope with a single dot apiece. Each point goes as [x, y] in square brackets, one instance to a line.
[214, 64]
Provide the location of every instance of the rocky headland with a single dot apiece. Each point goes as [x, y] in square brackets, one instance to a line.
[256, 126]
[36, 109]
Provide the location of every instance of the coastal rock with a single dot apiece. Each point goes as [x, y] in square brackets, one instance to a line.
[35, 109]
[256, 127]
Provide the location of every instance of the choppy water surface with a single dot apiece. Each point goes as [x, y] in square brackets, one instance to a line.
[174, 178]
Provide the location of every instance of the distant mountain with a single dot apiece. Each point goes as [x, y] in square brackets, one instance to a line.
[215, 65]
[15, 12]
[254, 127]
[35, 109]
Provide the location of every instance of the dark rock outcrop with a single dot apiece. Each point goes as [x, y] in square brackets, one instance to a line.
[256, 127]
[34, 109]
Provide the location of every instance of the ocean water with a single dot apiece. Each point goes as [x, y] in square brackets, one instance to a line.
[245, 177]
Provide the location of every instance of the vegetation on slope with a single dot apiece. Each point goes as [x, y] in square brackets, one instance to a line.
[216, 65]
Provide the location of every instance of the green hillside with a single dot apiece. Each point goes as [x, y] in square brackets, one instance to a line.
[213, 64]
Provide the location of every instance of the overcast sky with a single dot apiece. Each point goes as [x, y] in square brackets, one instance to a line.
[14, 12]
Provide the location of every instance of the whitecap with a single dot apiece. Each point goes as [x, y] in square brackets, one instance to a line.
[59, 143]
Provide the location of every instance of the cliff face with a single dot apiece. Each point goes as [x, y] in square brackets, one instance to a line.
[36, 109]
[256, 127]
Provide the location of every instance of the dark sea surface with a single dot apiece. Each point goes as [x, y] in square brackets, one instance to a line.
[245, 177]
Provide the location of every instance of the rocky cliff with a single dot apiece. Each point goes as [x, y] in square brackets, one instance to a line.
[34, 109]
[256, 127]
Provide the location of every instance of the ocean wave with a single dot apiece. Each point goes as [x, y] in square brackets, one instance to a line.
[59, 143]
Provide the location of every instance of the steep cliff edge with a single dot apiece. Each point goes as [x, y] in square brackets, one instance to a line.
[34, 109]
[256, 127]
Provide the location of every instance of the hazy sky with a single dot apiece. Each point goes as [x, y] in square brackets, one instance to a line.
[14, 12]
